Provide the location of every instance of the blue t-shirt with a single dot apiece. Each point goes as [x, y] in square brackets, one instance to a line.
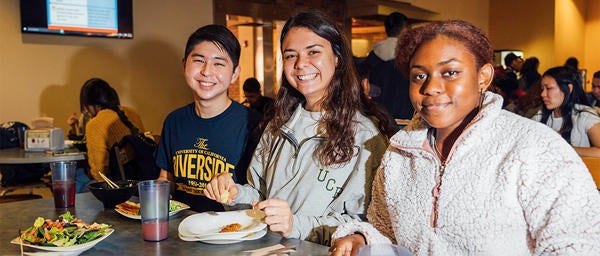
[195, 149]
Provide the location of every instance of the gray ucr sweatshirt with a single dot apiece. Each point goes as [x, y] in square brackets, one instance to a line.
[320, 197]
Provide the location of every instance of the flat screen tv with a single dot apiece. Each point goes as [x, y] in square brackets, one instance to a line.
[98, 18]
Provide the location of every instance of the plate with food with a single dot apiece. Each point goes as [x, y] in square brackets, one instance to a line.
[249, 236]
[65, 236]
[131, 209]
[222, 225]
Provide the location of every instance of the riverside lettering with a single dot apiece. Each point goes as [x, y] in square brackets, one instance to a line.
[199, 166]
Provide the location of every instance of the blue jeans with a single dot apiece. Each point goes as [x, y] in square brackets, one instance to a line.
[82, 180]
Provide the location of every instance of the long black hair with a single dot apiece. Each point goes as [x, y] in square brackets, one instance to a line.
[565, 76]
[97, 92]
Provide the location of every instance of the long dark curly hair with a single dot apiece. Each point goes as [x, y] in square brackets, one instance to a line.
[342, 99]
[564, 76]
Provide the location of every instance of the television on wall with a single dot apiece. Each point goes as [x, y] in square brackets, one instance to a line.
[95, 18]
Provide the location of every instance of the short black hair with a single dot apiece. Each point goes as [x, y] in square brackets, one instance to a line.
[394, 23]
[251, 85]
[597, 74]
[572, 62]
[509, 58]
[220, 36]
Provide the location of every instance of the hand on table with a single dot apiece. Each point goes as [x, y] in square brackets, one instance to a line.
[221, 188]
[279, 215]
[347, 246]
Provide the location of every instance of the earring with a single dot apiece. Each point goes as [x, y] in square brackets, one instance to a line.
[480, 98]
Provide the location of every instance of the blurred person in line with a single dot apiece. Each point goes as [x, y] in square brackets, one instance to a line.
[529, 73]
[466, 177]
[107, 126]
[572, 62]
[567, 111]
[254, 98]
[385, 75]
[213, 134]
[513, 64]
[593, 97]
[313, 167]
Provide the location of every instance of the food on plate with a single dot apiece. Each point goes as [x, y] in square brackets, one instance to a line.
[256, 213]
[225, 197]
[233, 227]
[132, 208]
[66, 231]
[174, 207]
[129, 207]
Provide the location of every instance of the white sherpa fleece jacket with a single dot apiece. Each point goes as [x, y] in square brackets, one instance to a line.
[511, 187]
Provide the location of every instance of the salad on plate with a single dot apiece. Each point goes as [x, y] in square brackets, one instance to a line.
[66, 231]
[66, 236]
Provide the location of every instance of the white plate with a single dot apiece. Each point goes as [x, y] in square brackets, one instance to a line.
[67, 250]
[207, 225]
[249, 236]
[138, 217]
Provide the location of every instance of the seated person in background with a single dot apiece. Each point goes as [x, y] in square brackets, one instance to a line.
[313, 167]
[254, 99]
[214, 134]
[106, 126]
[466, 177]
[594, 96]
[567, 111]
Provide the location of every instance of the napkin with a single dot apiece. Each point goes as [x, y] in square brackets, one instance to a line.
[277, 249]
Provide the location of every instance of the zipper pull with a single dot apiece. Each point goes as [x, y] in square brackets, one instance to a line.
[442, 168]
[436, 189]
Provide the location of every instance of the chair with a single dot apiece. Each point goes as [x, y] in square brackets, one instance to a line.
[133, 158]
[124, 154]
[593, 165]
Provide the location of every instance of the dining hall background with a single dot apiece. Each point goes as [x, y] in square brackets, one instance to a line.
[41, 75]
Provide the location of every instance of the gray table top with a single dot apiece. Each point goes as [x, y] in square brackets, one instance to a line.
[20, 156]
[127, 238]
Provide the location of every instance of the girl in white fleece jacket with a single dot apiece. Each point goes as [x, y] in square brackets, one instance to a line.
[466, 177]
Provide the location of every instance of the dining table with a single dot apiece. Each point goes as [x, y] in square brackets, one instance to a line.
[21, 156]
[127, 236]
